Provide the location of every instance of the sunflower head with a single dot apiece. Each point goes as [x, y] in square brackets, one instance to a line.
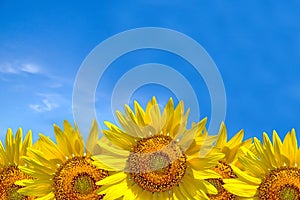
[154, 153]
[63, 170]
[271, 171]
[10, 160]
[147, 131]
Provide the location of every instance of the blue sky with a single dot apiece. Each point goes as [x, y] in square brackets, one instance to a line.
[255, 45]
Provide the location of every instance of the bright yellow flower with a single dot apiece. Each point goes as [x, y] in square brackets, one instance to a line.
[231, 149]
[271, 173]
[154, 156]
[63, 171]
[10, 160]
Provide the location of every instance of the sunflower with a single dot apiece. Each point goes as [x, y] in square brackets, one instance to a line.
[154, 156]
[272, 173]
[231, 149]
[63, 170]
[10, 160]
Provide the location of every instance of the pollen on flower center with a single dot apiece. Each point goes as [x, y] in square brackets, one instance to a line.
[8, 190]
[289, 192]
[83, 184]
[12, 193]
[157, 163]
[281, 184]
[76, 179]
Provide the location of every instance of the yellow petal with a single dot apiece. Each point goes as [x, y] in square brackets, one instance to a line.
[113, 191]
[112, 179]
[239, 188]
[222, 136]
[93, 138]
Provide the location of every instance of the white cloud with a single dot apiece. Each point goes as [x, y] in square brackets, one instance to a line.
[30, 68]
[25, 69]
[49, 102]
[19, 68]
[45, 106]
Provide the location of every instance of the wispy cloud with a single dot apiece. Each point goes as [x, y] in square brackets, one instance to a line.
[19, 68]
[45, 106]
[48, 103]
[9, 70]
[30, 68]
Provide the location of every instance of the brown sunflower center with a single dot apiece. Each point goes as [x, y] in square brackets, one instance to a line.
[76, 179]
[226, 172]
[8, 190]
[281, 184]
[157, 163]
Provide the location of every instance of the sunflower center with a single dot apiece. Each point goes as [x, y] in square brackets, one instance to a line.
[76, 179]
[8, 190]
[157, 163]
[226, 172]
[289, 192]
[281, 184]
[83, 184]
[12, 193]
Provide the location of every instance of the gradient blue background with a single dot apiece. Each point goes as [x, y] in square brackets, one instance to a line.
[255, 45]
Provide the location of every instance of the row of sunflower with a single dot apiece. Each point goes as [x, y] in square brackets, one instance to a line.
[152, 156]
